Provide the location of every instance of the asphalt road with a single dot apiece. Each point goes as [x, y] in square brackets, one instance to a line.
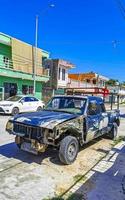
[25, 176]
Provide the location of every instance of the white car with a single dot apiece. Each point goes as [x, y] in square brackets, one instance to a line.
[19, 104]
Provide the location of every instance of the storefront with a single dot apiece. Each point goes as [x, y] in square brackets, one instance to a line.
[19, 86]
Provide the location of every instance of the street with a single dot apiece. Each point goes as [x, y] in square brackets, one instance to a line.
[26, 176]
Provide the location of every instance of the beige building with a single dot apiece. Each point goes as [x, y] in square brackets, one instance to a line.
[17, 64]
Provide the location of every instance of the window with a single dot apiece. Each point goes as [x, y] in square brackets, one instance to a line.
[43, 59]
[63, 74]
[27, 89]
[88, 80]
[59, 73]
[14, 98]
[93, 108]
[33, 99]
[6, 61]
[102, 108]
[67, 104]
[27, 99]
[24, 89]
[94, 82]
[10, 89]
[30, 89]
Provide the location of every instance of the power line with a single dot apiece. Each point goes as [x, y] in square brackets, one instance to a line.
[121, 7]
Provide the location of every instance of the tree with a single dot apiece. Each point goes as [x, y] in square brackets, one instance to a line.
[112, 82]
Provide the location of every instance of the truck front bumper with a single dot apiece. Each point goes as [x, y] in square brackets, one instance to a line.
[31, 145]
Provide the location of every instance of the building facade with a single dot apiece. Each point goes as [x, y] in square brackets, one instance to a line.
[85, 83]
[86, 80]
[58, 70]
[17, 66]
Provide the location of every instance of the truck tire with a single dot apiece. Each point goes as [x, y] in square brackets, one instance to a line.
[19, 146]
[68, 150]
[113, 132]
[15, 111]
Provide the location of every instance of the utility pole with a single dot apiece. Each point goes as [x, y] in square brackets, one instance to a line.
[35, 63]
[36, 46]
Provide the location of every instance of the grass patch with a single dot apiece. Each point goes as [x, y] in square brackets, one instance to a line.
[75, 196]
[117, 140]
[79, 177]
[54, 198]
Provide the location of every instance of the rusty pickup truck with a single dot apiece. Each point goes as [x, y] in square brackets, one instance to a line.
[67, 122]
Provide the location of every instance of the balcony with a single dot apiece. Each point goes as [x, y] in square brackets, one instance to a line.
[22, 71]
[22, 66]
[80, 84]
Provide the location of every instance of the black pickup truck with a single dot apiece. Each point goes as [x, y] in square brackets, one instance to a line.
[67, 122]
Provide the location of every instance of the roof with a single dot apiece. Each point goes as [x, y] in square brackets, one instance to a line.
[85, 76]
[65, 63]
[82, 76]
[83, 97]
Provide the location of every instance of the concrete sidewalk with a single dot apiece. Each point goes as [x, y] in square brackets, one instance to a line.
[106, 180]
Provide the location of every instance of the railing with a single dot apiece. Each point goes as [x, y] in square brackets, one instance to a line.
[23, 66]
[78, 84]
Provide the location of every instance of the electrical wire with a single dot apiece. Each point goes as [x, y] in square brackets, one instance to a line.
[121, 7]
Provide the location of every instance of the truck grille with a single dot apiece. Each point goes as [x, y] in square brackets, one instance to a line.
[28, 131]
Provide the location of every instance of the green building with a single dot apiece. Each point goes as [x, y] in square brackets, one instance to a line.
[17, 67]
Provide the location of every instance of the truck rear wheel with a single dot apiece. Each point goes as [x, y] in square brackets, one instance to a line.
[113, 132]
[19, 146]
[68, 150]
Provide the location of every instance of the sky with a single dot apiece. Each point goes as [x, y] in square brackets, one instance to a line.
[80, 31]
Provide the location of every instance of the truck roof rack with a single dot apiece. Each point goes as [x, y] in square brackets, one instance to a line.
[104, 92]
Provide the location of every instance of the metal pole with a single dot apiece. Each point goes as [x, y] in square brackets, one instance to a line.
[112, 101]
[35, 63]
[118, 101]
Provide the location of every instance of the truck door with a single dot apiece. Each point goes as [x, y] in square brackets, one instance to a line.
[104, 118]
[93, 120]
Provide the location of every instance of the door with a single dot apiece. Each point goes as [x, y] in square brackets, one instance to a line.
[25, 105]
[1, 93]
[93, 120]
[104, 119]
[10, 89]
[34, 103]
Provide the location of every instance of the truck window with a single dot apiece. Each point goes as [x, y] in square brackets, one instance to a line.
[93, 108]
[102, 106]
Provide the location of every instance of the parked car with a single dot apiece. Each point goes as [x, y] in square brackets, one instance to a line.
[19, 104]
[67, 123]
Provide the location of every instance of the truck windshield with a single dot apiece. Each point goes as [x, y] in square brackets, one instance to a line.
[67, 104]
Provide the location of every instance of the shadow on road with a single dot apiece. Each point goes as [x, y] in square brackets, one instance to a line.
[106, 180]
[11, 150]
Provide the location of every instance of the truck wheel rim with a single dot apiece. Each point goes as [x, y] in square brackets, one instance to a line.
[72, 151]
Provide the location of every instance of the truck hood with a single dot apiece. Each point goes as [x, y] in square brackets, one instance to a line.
[45, 119]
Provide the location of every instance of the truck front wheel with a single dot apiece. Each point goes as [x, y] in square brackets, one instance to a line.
[68, 150]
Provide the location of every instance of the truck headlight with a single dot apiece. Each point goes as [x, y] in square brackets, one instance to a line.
[9, 125]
